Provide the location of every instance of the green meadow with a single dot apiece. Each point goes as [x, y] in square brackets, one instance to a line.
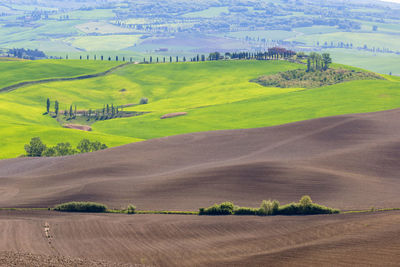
[13, 72]
[215, 95]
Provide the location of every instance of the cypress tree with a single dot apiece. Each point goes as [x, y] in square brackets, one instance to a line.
[48, 105]
[70, 111]
[56, 108]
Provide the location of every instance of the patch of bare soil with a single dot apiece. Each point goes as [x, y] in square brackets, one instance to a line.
[171, 115]
[78, 127]
[369, 239]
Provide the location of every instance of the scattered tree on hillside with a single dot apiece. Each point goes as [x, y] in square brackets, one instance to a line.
[86, 146]
[48, 105]
[326, 58]
[314, 62]
[35, 148]
[70, 112]
[56, 108]
[144, 100]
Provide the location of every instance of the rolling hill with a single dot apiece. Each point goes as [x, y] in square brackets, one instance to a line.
[348, 162]
[215, 95]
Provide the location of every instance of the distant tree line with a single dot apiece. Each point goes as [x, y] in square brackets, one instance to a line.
[109, 111]
[36, 148]
[27, 53]
[273, 53]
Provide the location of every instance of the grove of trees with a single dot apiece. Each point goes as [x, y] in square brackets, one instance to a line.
[317, 62]
[36, 148]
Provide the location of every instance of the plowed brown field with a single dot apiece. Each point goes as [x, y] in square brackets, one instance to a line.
[349, 162]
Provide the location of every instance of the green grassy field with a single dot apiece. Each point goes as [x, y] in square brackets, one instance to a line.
[13, 72]
[216, 96]
[378, 62]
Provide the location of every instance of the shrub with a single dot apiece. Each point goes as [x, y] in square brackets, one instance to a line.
[35, 148]
[246, 211]
[305, 207]
[131, 209]
[225, 208]
[81, 207]
[144, 100]
[269, 207]
[305, 201]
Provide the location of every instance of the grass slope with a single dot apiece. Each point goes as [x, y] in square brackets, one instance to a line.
[216, 96]
[20, 71]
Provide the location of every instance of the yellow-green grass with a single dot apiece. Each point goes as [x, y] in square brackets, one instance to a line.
[13, 72]
[216, 96]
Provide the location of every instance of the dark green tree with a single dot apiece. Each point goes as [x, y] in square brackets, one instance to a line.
[326, 58]
[48, 105]
[35, 148]
[50, 152]
[64, 149]
[70, 112]
[56, 108]
[84, 146]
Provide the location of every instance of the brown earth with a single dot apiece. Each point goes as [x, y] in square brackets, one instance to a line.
[346, 162]
[78, 127]
[181, 240]
[172, 115]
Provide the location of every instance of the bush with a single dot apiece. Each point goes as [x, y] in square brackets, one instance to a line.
[225, 208]
[246, 211]
[269, 207]
[81, 207]
[304, 207]
[144, 100]
[35, 148]
[131, 209]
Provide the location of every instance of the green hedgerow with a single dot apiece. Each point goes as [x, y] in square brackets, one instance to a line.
[225, 208]
[131, 209]
[81, 207]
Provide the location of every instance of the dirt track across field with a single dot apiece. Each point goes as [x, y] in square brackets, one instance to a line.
[349, 162]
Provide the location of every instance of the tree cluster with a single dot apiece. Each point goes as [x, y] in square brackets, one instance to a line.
[36, 148]
[317, 62]
[27, 53]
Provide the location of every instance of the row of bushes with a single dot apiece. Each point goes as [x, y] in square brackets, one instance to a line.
[304, 207]
[36, 148]
[76, 206]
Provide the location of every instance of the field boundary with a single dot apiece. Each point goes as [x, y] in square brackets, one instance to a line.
[82, 77]
[171, 212]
